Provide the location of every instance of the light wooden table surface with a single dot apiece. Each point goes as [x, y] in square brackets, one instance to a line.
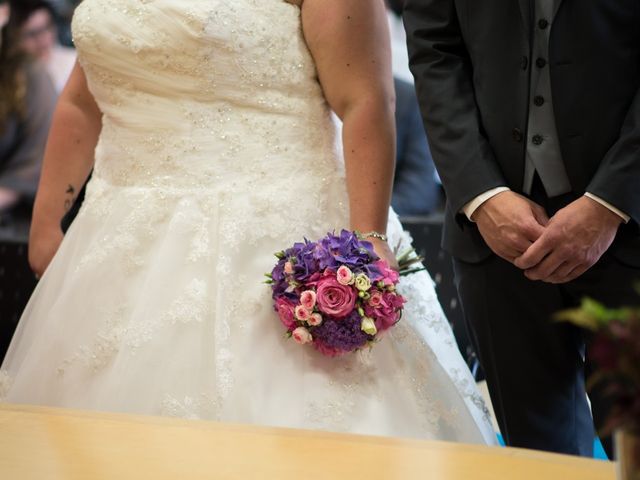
[45, 443]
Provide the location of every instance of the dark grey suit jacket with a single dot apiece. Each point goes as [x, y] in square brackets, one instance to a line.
[471, 60]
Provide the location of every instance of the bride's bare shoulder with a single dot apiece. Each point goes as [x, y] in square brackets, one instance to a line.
[295, 2]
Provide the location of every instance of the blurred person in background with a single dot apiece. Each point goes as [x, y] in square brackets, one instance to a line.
[416, 187]
[27, 100]
[399, 53]
[416, 191]
[36, 23]
[64, 12]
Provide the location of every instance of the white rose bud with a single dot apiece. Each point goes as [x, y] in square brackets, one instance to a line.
[368, 326]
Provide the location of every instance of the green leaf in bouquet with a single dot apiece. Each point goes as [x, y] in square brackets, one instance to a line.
[407, 259]
[406, 254]
[405, 272]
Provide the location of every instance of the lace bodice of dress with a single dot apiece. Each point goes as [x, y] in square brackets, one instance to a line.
[189, 87]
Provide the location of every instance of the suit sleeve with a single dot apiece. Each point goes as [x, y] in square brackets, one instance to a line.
[441, 67]
[617, 180]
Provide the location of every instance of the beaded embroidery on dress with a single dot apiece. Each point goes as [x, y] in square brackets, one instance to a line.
[213, 125]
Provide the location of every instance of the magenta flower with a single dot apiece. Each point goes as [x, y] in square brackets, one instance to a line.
[385, 310]
[285, 311]
[389, 275]
[333, 298]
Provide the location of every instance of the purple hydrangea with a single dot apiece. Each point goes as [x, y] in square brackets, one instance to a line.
[346, 249]
[309, 258]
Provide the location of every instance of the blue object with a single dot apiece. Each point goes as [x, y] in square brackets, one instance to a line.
[598, 451]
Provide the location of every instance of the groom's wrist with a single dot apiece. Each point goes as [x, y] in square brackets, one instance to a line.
[625, 218]
[470, 208]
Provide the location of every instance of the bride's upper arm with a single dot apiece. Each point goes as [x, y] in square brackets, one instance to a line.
[76, 92]
[349, 41]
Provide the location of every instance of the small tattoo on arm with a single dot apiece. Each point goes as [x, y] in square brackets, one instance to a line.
[70, 197]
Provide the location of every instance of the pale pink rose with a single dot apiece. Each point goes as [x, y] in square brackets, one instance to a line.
[376, 299]
[344, 275]
[302, 313]
[333, 298]
[308, 299]
[288, 268]
[286, 313]
[315, 319]
[301, 335]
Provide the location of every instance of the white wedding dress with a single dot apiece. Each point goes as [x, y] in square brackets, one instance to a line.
[217, 150]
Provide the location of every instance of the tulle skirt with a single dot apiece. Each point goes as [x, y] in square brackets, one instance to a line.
[155, 304]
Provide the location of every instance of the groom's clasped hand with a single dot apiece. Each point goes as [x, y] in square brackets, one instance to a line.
[553, 250]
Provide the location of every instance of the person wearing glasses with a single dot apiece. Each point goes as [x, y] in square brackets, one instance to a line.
[38, 37]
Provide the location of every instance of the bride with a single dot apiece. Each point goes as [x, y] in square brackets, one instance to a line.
[208, 127]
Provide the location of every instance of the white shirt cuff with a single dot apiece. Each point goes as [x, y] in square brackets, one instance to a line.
[606, 204]
[473, 205]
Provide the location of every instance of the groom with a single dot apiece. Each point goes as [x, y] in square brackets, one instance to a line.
[532, 109]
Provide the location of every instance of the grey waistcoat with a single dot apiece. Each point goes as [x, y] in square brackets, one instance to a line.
[543, 148]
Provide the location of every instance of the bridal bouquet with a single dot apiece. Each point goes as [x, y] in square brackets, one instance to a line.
[335, 294]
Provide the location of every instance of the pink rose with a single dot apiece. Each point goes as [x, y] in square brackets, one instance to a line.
[288, 268]
[333, 298]
[302, 313]
[285, 311]
[344, 275]
[301, 335]
[315, 319]
[308, 299]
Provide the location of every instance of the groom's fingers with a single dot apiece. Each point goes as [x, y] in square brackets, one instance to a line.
[540, 214]
[506, 254]
[532, 230]
[565, 273]
[547, 267]
[535, 253]
[576, 272]
[517, 244]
